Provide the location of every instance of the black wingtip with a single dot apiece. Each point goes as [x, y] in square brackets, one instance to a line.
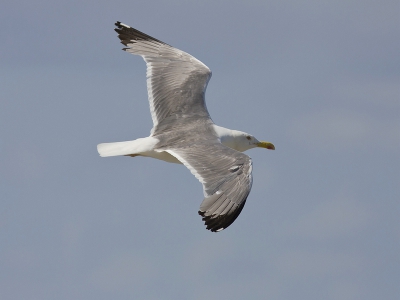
[128, 34]
[218, 223]
[121, 25]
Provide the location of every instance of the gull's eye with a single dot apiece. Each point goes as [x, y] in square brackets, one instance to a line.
[248, 137]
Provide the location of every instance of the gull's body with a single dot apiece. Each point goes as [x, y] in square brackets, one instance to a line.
[183, 131]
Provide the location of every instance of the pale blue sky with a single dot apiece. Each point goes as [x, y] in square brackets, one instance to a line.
[319, 79]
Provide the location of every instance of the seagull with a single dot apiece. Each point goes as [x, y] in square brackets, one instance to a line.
[183, 131]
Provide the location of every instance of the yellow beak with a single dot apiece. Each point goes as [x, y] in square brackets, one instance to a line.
[266, 145]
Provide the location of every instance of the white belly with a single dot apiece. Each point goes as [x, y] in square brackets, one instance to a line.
[165, 156]
[139, 147]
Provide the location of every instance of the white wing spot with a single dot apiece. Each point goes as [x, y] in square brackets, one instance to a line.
[234, 168]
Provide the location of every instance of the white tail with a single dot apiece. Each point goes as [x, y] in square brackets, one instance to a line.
[138, 146]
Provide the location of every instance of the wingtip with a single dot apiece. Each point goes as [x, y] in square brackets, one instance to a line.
[128, 34]
[211, 222]
[120, 25]
[219, 222]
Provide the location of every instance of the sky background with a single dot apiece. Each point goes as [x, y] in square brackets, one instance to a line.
[319, 79]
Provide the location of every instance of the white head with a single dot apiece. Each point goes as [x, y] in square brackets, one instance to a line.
[240, 141]
[243, 141]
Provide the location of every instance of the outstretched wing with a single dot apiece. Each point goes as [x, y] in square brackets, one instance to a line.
[226, 178]
[176, 81]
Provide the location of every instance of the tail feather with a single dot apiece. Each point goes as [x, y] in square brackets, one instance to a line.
[135, 147]
[115, 149]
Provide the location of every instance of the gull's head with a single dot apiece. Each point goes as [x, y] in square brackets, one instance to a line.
[245, 141]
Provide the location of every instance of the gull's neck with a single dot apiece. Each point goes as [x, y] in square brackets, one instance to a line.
[229, 137]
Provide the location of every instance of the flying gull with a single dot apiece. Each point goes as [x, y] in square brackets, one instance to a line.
[183, 131]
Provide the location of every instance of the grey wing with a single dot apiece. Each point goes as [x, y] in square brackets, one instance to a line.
[176, 81]
[226, 178]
